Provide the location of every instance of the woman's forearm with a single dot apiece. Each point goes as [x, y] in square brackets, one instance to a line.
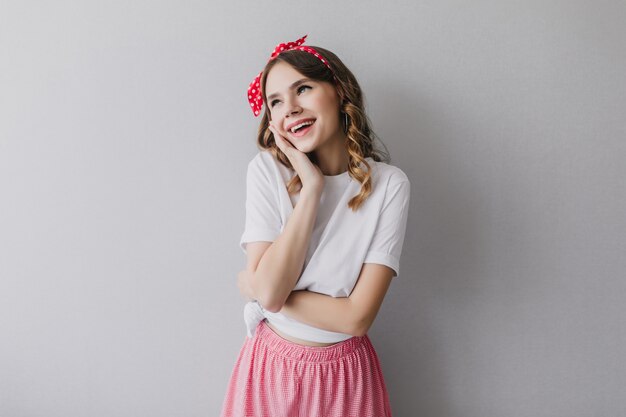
[281, 265]
[323, 311]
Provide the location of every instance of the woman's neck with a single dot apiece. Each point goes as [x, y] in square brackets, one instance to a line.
[333, 159]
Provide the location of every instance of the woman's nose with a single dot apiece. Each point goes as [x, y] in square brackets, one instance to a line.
[293, 107]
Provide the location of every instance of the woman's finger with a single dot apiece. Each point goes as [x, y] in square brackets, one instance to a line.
[281, 142]
[282, 138]
[278, 141]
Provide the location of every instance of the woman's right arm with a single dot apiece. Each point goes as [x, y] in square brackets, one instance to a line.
[281, 265]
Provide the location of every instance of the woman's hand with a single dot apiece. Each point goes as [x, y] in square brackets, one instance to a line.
[309, 173]
[243, 282]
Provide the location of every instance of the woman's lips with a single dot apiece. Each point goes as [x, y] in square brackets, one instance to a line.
[303, 131]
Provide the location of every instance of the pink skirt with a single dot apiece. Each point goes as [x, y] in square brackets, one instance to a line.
[274, 377]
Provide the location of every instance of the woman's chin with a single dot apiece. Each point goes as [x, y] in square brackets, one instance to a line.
[303, 147]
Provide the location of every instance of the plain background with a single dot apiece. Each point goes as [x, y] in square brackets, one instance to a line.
[125, 133]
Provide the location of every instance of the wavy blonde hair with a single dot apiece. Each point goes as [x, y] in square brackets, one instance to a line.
[360, 137]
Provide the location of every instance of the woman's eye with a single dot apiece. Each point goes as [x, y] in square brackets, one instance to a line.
[299, 88]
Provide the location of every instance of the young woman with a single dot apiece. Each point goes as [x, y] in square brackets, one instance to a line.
[325, 225]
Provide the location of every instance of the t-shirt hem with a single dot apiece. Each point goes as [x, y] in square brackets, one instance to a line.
[384, 259]
[306, 332]
[257, 235]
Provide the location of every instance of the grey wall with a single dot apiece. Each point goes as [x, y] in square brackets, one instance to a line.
[124, 138]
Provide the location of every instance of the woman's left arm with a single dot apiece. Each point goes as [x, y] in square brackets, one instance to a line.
[351, 315]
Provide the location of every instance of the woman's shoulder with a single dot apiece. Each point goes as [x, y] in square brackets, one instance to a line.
[263, 159]
[387, 172]
[265, 162]
[261, 156]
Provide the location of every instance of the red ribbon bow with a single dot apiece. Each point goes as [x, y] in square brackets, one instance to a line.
[254, 90]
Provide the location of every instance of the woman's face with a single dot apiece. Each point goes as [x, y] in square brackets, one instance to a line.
[292, 98]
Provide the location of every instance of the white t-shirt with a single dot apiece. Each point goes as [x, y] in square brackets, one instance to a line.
[341, 241]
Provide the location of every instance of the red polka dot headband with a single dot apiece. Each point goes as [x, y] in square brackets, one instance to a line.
[254, 90]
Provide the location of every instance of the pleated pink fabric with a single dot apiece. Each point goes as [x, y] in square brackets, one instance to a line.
[274, 377]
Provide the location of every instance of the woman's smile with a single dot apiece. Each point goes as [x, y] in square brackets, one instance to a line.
[303, 130]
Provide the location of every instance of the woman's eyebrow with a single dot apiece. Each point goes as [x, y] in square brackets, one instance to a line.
[294, 85]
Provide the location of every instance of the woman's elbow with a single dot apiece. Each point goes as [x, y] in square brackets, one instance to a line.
[359, 331]
[268, 297]
[271, 303]
[360, 327]
[272, 308]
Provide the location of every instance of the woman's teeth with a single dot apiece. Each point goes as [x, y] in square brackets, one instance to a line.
[295, 128]
[303, 131]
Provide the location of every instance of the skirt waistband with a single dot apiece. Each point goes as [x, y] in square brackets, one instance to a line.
[304, 353]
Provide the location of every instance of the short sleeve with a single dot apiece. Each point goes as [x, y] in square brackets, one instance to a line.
[386, 245]
[263, 221]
